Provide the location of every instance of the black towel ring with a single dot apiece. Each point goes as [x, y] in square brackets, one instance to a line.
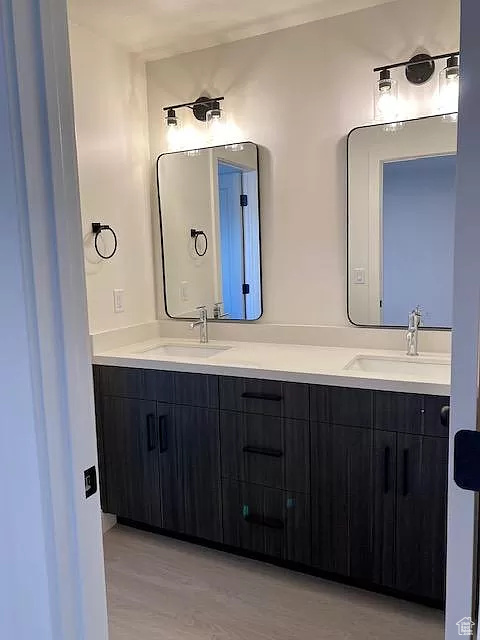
[97, 229]
[196, 233]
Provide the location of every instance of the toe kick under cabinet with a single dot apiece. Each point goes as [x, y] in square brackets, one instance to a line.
[348, 483]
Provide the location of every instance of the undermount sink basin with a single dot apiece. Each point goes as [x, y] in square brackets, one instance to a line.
[402, 365]
[186, 350]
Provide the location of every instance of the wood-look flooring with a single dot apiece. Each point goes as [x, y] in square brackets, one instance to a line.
[163, 589]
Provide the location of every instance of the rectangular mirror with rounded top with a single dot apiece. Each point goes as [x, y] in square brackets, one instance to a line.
[210, 226]
[401, 207]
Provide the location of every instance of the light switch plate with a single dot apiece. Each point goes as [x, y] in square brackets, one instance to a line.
[118, 300]
[359, 276]
[184, 291]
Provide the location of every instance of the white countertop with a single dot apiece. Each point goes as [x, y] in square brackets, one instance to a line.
[295, 363]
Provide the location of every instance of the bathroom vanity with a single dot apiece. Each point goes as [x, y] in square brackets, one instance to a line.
[344, 481]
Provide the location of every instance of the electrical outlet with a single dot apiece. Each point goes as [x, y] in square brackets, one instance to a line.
[118, 300]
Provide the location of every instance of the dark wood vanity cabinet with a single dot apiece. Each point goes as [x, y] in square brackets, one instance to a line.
[160, 461]
[379, 491]
[351, 483]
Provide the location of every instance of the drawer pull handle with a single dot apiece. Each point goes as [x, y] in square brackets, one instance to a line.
[273, 453]
[252, 395]
[263, 521]
[163, 433]
[151, 443]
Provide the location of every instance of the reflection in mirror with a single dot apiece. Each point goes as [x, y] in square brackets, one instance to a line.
[401, 193]
[209, 210]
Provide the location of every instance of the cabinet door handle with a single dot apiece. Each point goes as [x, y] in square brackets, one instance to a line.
[253, 395]
[274, 453]
[163, 433]
[151, 440]
[406, 487]
[264, 521]
[386, 470]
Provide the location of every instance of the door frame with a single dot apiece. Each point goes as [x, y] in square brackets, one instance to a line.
[461, 533]
[37, 89]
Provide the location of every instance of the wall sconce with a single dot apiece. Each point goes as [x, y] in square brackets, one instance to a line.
[204, 109]
[418, 70]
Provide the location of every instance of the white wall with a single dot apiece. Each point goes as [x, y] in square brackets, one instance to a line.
[297, 93]
[112, 142]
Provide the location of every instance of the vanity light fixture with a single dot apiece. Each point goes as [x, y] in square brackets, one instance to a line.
[205, 109]
[201, 108]
[418, 70]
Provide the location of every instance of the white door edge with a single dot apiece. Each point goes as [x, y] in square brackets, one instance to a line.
[466, 321]
[35, 38]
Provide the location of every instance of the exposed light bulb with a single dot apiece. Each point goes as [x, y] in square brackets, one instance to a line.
[215, 124]
[448, 86]
[386, 98]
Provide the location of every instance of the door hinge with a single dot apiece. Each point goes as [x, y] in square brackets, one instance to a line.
[245, 289]
[91, 484]
[244, 200]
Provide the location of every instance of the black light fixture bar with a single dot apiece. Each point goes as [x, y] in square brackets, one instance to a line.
[207, 101]
[409, 63]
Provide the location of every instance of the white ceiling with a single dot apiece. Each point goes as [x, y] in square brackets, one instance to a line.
[162, 28]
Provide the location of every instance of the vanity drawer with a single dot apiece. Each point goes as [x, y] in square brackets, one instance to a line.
[265, 397]
[141, 384]
[196, 390]
[122, 382]
[342, 406]
[267, 521]
[266, 450]
[433, 406]
[410, 413]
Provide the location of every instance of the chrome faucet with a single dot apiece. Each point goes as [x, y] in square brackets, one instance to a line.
[202, 322]
[414, 319]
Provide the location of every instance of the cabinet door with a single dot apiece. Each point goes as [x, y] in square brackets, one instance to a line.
[199, 468]
[131, 459]
[342, 499]
[421, 515]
